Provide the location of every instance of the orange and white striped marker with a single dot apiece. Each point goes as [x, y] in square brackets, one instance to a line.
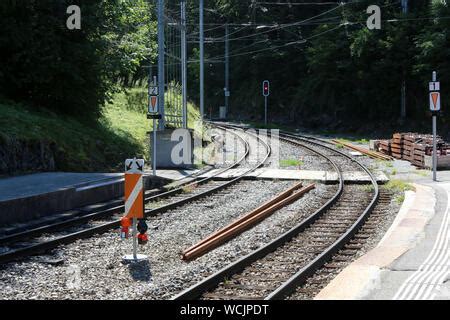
[134, 200]
[134, 188]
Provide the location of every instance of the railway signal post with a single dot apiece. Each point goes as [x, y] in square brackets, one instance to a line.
[266, 93]
[134, 201]
[435, 107]
[153, 98]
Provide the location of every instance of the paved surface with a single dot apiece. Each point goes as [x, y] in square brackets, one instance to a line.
[287, 174]
[175, 174]
[412, 260]
[41, 183]
[423, 272]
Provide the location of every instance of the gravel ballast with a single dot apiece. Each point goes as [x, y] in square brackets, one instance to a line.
[93, 269]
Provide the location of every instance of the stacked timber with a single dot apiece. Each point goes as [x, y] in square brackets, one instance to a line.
[415, 148]
[384, 146]
[397, 145]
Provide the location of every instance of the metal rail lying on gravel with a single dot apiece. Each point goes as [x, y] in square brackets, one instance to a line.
[35, 248]
[370, 153]
[245, 222]
[212, 281]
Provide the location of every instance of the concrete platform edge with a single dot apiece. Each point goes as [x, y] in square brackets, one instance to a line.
[363, 275]
[24, 209]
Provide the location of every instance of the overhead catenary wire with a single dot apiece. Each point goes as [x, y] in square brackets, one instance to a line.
[297, 3]
[214, 59]
[315, 20]
[285, 25]
[301, 41]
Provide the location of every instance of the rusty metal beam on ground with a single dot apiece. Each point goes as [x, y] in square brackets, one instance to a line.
[372, 154]
[252, 213]
[242, 224]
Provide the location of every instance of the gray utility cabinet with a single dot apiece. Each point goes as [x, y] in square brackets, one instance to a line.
[174, 148]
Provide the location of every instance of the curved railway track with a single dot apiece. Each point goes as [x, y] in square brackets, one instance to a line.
[276, 269]
[44, 238]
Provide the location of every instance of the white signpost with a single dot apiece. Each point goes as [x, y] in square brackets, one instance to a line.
[153, 113]
[153, 97]
[435, 107]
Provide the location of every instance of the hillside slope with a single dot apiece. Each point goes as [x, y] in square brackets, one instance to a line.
[32, 141]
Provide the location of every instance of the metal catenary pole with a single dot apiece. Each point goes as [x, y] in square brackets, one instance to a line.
[227, 69]
[434, 136]
[403, 89]
[202, 98]
[184, 62]
[265, 110]
[161, 63]
[154, 138]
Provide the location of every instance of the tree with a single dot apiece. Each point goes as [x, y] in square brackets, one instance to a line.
[71, 71]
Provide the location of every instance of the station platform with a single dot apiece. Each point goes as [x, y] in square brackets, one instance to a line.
[411, 262]
[39, 183]
[26, 197]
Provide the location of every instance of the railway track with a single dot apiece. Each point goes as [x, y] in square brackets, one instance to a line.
[47, 237]
[276, 269]
[341, 259]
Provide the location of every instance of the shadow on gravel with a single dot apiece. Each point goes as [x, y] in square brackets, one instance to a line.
[140, 271]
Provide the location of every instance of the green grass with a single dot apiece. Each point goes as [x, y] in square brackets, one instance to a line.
[126, 116]
[86, 146]
[388, 164]
[188, 188]
[422, 173]
[79, 146]
[368, 188]
[396, 186]
[354, 140]
[290, 163]
[400, 198]
[361, 141]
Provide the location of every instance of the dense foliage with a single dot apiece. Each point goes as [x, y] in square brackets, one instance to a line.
[45, 64]
[327, 67]
[322, 60]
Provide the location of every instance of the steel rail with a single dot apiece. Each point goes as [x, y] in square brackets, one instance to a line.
[239, 265]
[210, 282]
[301, 276]
[242, 224]
[111, 208]
[53, 243]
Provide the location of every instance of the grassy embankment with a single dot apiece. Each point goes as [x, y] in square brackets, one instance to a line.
[86, 146]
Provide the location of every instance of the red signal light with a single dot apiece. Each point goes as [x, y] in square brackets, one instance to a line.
[266, 88]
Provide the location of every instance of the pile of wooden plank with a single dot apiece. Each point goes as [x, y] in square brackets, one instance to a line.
[415, 148]
[397, 145]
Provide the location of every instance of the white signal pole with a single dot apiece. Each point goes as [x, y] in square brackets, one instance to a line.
[434, 79]
[227, 69]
